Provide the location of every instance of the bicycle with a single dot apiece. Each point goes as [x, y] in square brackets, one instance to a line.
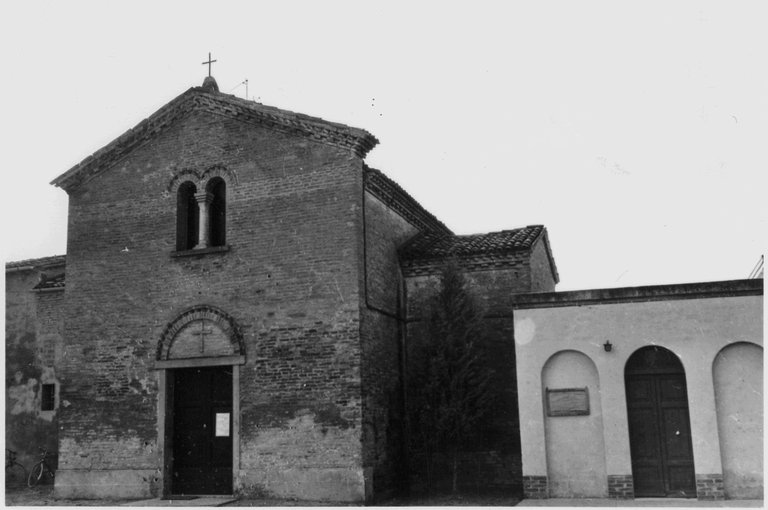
[39, 469]
[15, 473]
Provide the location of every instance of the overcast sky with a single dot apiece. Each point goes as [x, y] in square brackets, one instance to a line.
[635, 132]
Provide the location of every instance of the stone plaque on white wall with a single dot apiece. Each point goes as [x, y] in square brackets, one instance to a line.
[568, 402]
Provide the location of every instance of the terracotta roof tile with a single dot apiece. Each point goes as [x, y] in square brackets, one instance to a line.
[392, 194]
[55, 260]
[431, 245]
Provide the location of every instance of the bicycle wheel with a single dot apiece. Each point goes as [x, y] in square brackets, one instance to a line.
[35, 475]
[15, 476]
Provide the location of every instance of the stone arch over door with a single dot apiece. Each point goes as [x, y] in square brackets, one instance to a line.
[575, 445]
[659, 424]
[738, 377]
[201, 331]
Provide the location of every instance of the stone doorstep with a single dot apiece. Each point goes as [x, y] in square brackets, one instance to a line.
[184, 501]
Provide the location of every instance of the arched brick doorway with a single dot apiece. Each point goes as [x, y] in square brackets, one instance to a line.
[198, 359]
[659, 424]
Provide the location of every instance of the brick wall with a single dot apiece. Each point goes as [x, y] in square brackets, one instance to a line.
[542, 272]
[494, 281]
[621, 486]
[50, 316]
[710, 487]
[381, 340]
[286, 280]
[32, 346]
[535, 487]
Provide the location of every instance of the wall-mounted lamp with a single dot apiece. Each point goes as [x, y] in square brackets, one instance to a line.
[608, 346]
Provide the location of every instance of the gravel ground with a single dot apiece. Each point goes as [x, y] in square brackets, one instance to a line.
[43, 496]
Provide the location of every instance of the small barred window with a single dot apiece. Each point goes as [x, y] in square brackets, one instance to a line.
[48, 397]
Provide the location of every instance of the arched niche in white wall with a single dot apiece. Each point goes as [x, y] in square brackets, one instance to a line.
[738, 376]
[573, 423]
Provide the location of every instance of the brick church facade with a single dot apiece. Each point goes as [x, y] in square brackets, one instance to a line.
[234, 312]
[252, 247]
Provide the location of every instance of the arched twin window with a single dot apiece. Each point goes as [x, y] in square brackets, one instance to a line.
[217, 211]
[201, 217]
[187, 217]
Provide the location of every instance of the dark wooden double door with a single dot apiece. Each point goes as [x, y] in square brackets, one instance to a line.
[659, 425]
[202, 431]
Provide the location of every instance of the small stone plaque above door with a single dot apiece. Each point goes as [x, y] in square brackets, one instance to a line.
[201, 338]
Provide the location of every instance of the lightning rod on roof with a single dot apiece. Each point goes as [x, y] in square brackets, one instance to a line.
[244, 82]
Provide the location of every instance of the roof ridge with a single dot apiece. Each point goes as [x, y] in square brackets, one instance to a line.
[423, 248]
[391, 193]
[504, 231]
[358, 140]
[280, 111]
[40, 261]
[75, 175]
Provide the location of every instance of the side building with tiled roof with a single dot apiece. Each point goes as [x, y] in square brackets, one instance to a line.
[496, 267]
[34, 315]
[239, 294]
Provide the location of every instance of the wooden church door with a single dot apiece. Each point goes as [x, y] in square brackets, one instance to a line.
[659, 426]
[202, 431]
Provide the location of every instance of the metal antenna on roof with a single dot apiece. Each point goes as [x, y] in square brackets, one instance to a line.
[244, 82]
[758, 269]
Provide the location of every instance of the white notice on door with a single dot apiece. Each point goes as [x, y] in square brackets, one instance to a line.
[222, 424]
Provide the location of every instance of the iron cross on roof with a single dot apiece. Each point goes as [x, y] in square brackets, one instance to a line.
[209, 62]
